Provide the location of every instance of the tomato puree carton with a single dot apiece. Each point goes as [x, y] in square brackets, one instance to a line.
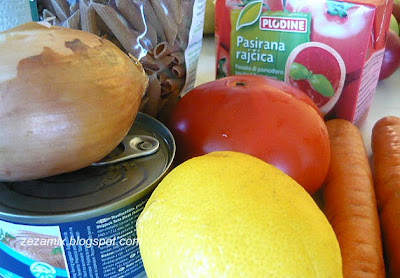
[330, 49]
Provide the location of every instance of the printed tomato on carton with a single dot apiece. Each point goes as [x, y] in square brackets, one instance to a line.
[346, 27]
[319, 71]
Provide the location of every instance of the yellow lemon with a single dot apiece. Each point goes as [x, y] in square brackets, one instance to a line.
[228, 214]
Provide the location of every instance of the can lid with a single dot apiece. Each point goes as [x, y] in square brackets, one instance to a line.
[133, 146]
[93, 190]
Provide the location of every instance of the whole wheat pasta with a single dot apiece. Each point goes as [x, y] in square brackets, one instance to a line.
[104, 2]
[167, 104]
[165, 92]
[173, 84]
[163, 76]
[128, 38]
[184, 27]
[151, 18]
[179, 71]
[73, 21]
[132, 14]
[167, 22]
[135, 17]
[179, 57]
[146, 43]
[151, 33]
[88, 17]
[61, 9]
[149, 62]
[104, 30]
[150, 71]
[153, 95]
[73, 8]
[163, 49]
[162, 104]
[165, 62]
[175, 7]
[143, 103]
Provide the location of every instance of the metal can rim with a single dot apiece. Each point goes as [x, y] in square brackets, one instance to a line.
[47, 219]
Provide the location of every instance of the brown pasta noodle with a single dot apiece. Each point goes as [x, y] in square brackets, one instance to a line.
[163, 76]
[166, 20]
[88, 17]
[179, 57]
[175, 7]
[128, 38]
[158, 50]
[163, 49]
[184, 27]
[163, 103]
[165, 62]
[173, 84]
[104, 29]
[73, 21]
[132, 14]
[153, 100]
[143, 103]
[179, 71]
[151, 17]
[61, 9]
[148, 73]
[151, 32]
[149, 62]
[74, 7]
[156, 32]
[167, 104]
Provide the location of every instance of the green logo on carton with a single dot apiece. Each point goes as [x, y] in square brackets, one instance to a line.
[263, 40]
[250, 14]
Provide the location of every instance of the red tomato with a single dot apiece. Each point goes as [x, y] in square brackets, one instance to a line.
[257, 115]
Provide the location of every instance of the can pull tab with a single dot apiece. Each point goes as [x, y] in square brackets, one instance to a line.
[134, 146]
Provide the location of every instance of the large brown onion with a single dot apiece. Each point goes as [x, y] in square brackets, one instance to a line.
[67, 99]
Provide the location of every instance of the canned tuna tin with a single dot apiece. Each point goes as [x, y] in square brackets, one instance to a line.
[82, 224]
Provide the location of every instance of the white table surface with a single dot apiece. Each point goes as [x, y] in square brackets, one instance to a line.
[386, 101]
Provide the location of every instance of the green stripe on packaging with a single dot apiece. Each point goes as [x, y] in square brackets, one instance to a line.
[34, 10]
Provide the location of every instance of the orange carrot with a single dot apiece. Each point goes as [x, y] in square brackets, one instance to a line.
[386, 158]
[350, 204]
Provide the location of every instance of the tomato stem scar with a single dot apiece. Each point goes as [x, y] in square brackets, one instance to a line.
[241, 83]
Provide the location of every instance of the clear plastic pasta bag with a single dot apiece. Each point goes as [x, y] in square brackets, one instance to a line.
[164, 35]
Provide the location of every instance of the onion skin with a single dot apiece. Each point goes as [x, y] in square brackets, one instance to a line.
[67, 99]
